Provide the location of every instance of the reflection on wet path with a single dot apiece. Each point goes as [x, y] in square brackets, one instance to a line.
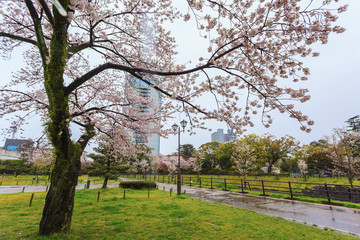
[343, 219]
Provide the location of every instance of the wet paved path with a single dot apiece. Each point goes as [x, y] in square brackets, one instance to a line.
[42, 188]
[338, 218]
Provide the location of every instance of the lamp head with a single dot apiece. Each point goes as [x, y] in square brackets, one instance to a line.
[183, 123]
[175, 127]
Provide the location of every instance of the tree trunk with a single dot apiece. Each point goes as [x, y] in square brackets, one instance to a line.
[269, 168]
[59, 202]
[105, 181]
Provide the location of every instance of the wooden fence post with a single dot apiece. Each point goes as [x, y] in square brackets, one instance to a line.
[98, 198]
[290, 189]
[327, 193]
[31, 199]
[242, 186]
[249, 185]
[263, 188]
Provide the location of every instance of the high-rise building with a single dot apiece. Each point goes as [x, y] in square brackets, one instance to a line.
[151, 139]
[220, 136]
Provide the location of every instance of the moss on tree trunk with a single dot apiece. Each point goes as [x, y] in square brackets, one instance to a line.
[59, 201]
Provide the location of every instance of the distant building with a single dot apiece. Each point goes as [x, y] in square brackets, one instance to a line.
[17, 145]
[220, 136]
[13, 148]
[152, 139]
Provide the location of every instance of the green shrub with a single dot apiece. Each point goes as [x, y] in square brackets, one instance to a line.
[138, 184]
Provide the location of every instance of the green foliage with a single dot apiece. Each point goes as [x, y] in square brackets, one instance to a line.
[138, 184]
[289, 165]
[223, 154]
[187, 150]
[319, 160]
[105, 163]
[207, 152]
[21, 166]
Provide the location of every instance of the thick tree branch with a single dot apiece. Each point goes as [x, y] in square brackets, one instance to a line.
[47, 11]
[85, 138]
[136, 72]
[22, 39]
[39, 33]
[32, 10]
[75, 48]
[132, 70]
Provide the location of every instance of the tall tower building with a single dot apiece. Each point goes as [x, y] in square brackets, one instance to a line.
[152, 139]
[220, 136]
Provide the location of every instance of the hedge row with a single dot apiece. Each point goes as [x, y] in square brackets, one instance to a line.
[138, 184]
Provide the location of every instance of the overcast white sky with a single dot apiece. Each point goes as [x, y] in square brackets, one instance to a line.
[334, 86]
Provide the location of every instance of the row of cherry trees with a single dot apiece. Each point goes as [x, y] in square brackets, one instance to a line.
[338, 154]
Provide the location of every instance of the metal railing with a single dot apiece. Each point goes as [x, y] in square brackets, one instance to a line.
[242, 185]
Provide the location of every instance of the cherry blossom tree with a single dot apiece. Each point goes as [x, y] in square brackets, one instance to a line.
[244, 157]
[302, 166]
[198, 162]
[170, 163]
[81, 55]
[344, 149]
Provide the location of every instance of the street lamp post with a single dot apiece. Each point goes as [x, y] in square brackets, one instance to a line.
[175, 127]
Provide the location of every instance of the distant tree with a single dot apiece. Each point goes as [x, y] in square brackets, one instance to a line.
[198, 162]
[171, 163]
[208, 152]
[243, 157]
[354, 123]
[223, 155]
[187, 150]
[106, 164]
[344, 149]
[271, 150]
[303, 167]
[289, 165]
[318, 159]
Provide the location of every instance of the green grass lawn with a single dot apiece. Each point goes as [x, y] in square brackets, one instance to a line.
[10, 180]
[157, 217]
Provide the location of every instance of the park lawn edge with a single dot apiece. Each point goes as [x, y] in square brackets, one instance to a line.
[86, 203]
